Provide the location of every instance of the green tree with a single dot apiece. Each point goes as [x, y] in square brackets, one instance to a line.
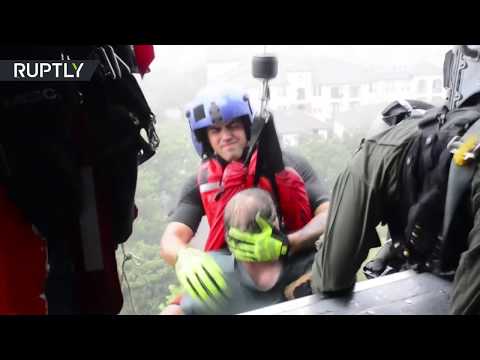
[146, 279]
[160, 179]
[327, 157]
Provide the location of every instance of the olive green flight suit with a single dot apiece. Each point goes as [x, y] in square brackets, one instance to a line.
[362, 195]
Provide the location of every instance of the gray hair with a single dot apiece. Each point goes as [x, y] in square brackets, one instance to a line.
[242, 208]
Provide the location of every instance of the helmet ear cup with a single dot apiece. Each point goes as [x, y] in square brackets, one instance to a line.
[202, 138]
[248, 127]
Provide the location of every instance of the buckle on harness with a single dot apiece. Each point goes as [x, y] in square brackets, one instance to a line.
[464, 152]
[110, 63]
[106, 64]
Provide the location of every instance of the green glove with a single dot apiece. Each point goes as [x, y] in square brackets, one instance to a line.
[201, 277]
[267, 245]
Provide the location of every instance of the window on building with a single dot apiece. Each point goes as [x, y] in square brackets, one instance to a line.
[335, 108]
[437, 85]
[354, 105]
[317, 90]
[301, 94]
[336, 92]
[354, 91]
[422, 86]
[371, 87]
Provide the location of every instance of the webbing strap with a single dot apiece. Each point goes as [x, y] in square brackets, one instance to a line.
[459, 180]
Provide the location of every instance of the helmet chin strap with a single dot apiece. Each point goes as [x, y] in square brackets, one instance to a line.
[244, 154]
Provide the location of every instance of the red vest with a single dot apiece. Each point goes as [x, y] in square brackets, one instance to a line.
[23, 263]
[219, 184]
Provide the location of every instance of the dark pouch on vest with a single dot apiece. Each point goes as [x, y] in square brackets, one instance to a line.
[113, 149]
[40, 155]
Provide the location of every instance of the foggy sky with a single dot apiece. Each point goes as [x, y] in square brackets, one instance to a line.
[177, 69]
[188, 56]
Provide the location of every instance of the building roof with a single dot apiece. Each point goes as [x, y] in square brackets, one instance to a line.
[425, 69]
[329, 71]
[297, 122]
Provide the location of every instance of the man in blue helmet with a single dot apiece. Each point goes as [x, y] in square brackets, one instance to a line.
[220, 122]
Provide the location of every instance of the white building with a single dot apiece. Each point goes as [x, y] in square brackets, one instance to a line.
[328, 87]
[323, 88]
[290, 124]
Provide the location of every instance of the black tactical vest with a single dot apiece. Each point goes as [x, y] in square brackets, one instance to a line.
[418, 227]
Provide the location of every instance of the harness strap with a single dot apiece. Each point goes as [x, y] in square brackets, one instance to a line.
[459, 180]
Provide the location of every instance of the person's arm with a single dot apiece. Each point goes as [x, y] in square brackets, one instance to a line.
[176, 237]
[196, 270]
[184, 221]
[319, 201]
[466, 286]
[305, 237]
[350, 233]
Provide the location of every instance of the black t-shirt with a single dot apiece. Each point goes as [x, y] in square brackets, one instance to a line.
[189, 209]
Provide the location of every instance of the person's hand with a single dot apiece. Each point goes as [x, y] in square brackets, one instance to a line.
[267, 245]
[201, 277]
[299, 288]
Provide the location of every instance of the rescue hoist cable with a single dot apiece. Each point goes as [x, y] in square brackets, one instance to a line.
[123, 276]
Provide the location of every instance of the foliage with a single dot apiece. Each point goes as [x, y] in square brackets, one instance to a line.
[146, 278]
[327, 157]
[160, 180]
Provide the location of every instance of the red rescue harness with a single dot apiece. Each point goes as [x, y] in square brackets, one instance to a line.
[218, 184]
[23, 263]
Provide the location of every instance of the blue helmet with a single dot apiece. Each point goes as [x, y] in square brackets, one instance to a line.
[214, 106]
